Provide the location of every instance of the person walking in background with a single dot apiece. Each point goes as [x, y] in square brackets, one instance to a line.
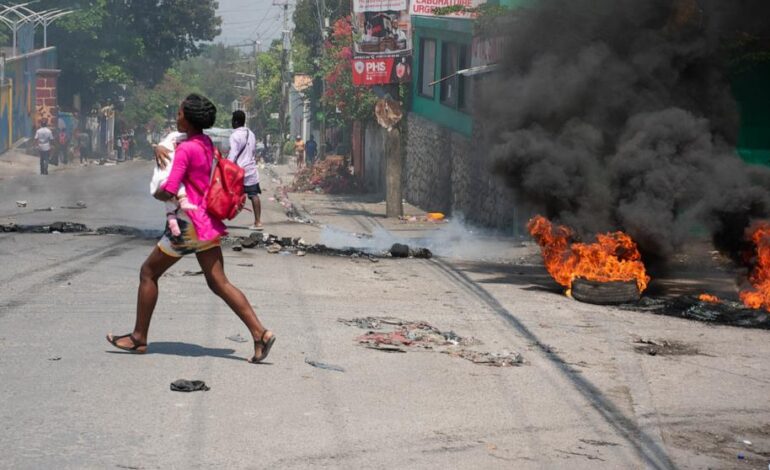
[200, 234]
[119, 148]
[243, 148]
[131, 146]
[63, 141]
[43, 138]
[311, 150]
[299, 151]
[83, 144]
[126, 155]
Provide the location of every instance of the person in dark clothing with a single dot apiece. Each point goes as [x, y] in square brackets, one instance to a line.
[311, 150]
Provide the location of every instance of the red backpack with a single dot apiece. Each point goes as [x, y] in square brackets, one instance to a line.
[225, 194]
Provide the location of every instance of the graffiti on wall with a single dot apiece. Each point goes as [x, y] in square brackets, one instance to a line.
[18, 115]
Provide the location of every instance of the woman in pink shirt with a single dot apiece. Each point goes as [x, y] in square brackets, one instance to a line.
[200, 234]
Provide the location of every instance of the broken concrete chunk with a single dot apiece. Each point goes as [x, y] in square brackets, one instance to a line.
[274, 248]
[21, 203]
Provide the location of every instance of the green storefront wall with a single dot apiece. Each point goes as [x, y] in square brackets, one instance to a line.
[751, 89]
[443, 30]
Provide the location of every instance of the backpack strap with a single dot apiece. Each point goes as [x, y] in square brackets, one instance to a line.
[248, 137]
[214, 159]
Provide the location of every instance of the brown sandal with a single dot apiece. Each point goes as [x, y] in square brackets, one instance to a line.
[266, 345]
[135, 349]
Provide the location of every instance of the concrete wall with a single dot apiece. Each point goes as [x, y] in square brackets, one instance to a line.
[448, 172]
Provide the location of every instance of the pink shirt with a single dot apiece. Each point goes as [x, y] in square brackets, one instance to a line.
[192, 166]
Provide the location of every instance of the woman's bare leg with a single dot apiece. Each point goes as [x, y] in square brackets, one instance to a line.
[153, 268]
[212, 264]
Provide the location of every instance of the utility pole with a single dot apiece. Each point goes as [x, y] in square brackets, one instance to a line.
[255, 102]
[284, 74]
[321, 7]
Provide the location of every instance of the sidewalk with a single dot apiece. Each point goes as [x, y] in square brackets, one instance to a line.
[15, 163]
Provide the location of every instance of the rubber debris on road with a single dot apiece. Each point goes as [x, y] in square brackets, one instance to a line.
[184, 385]
[323, 365]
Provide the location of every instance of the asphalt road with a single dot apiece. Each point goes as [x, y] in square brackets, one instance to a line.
[584, 398]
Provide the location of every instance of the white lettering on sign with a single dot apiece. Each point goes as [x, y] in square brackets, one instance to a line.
[426, 7]
[360, 6]
[376, 67]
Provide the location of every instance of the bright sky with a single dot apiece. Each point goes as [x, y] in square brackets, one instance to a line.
[246, 20]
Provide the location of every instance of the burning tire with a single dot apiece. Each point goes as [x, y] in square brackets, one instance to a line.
[605, 293]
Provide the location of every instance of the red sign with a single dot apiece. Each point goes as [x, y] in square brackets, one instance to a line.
[382, 70]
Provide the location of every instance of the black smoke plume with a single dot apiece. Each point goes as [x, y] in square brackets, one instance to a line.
[618, 114]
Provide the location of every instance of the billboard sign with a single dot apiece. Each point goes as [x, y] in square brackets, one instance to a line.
[382, 42]
[382, 70]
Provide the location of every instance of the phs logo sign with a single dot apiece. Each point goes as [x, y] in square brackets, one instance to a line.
[379, 70]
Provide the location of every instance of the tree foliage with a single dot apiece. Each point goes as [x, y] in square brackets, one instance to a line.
[353, 102]
[211, 74]
[108, 44]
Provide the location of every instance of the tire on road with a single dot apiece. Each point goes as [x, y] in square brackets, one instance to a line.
[605, 293]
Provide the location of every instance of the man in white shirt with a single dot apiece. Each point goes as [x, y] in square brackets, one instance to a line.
[43, 138]
[243, 147]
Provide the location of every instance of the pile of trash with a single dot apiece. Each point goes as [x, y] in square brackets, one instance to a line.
[392, 335]
[330, 176]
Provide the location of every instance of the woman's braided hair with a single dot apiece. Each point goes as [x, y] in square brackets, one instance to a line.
[199, 111]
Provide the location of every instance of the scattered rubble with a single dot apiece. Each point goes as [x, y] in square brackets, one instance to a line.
[44, 209]
[371, 323]
[664, 348]
[78, 205]
[237, 338]
[503, 359]
[279, 245]
[128, 231]
[61, 227]
[388, 334]
[725, 312]
[323, 365]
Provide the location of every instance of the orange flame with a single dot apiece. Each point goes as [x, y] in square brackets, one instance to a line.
[712, 299]
[759, 296]
[613, 257]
